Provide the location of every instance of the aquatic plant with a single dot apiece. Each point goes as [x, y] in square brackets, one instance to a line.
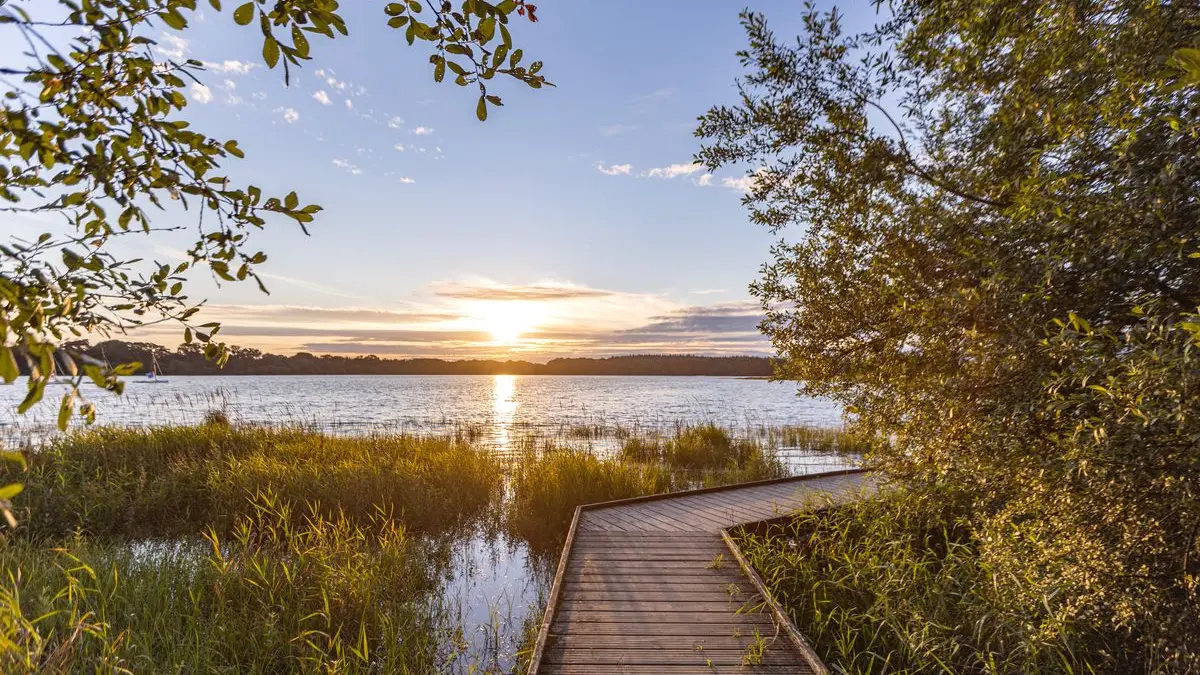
[176, 480]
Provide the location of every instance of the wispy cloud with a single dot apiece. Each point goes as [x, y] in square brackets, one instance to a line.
[395, 122]
[617, 129]
[172, 46]
[423, 131]
[705, 180]
[674, 170]
[323, 316]
[347, 166]
[349, 104]
[406, 180]
[539, 291]
[743, 183]
[289, 115]
[231, 66]
[614, 169]
[322, 97]
[201, 93]
[230, 89]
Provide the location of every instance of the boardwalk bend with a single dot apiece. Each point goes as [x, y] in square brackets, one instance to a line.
[655, 584]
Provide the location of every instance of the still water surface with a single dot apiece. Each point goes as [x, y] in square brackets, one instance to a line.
[503, 407]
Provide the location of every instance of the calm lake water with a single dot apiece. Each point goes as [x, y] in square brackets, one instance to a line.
[492, 583]
[502, 407]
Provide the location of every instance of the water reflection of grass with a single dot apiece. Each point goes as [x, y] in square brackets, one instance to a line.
[243, 549]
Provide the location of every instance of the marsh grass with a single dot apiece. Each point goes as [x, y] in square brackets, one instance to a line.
[177, 480]
[230, 548]
[548, 485]
[546, 488]
[284, 592]
[897, 585]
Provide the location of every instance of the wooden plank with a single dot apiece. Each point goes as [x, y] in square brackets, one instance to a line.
[609, 521]
[698, 563]
[570, 614]
[694, 555]
[666, 593]
[710, 605]
[702, 658]
[587, 640]
[641, 669]
[736, 627]
[641, 515]
[684, 517]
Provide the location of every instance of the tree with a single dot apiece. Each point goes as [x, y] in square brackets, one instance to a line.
[92, 134]
[995, 270]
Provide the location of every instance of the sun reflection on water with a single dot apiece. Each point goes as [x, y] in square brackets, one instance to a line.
[504, 408]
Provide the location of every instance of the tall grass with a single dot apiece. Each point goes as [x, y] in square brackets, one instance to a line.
[285, 592]
[177, 480]
[896, 585]
[547, 486]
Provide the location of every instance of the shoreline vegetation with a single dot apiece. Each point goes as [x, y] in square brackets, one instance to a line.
[189, 359]
[231, 548]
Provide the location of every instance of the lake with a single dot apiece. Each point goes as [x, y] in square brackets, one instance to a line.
[500, 408]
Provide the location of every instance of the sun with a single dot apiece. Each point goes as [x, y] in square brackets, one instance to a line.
[508, 322]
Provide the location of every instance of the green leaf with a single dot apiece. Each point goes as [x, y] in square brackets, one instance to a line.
[36, 389]
[15, 457]
[174, 19]
[270, 51]
[481, 109]
[8, 364]
[11, 490]
[66, 408]
[245, 14]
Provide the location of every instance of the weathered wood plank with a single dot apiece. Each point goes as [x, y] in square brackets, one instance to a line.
[701, 658]
[637, 617]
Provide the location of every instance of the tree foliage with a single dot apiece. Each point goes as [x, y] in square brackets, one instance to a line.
[92, 133]
[991, 260]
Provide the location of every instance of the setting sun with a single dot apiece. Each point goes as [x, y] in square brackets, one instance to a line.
[508, 322]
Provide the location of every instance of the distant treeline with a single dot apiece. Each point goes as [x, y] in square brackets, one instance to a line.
[189, 360]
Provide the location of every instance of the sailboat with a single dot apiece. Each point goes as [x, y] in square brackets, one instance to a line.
[154, 376]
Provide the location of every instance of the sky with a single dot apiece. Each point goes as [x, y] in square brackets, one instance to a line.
[571, 223]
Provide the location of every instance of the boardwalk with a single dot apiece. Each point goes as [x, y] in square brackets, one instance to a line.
[650, 585]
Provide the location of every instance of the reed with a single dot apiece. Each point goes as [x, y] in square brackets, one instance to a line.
[289, 590]
[177, 480]
[897, 585]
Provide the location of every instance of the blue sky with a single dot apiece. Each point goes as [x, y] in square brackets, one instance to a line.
[570, 223]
